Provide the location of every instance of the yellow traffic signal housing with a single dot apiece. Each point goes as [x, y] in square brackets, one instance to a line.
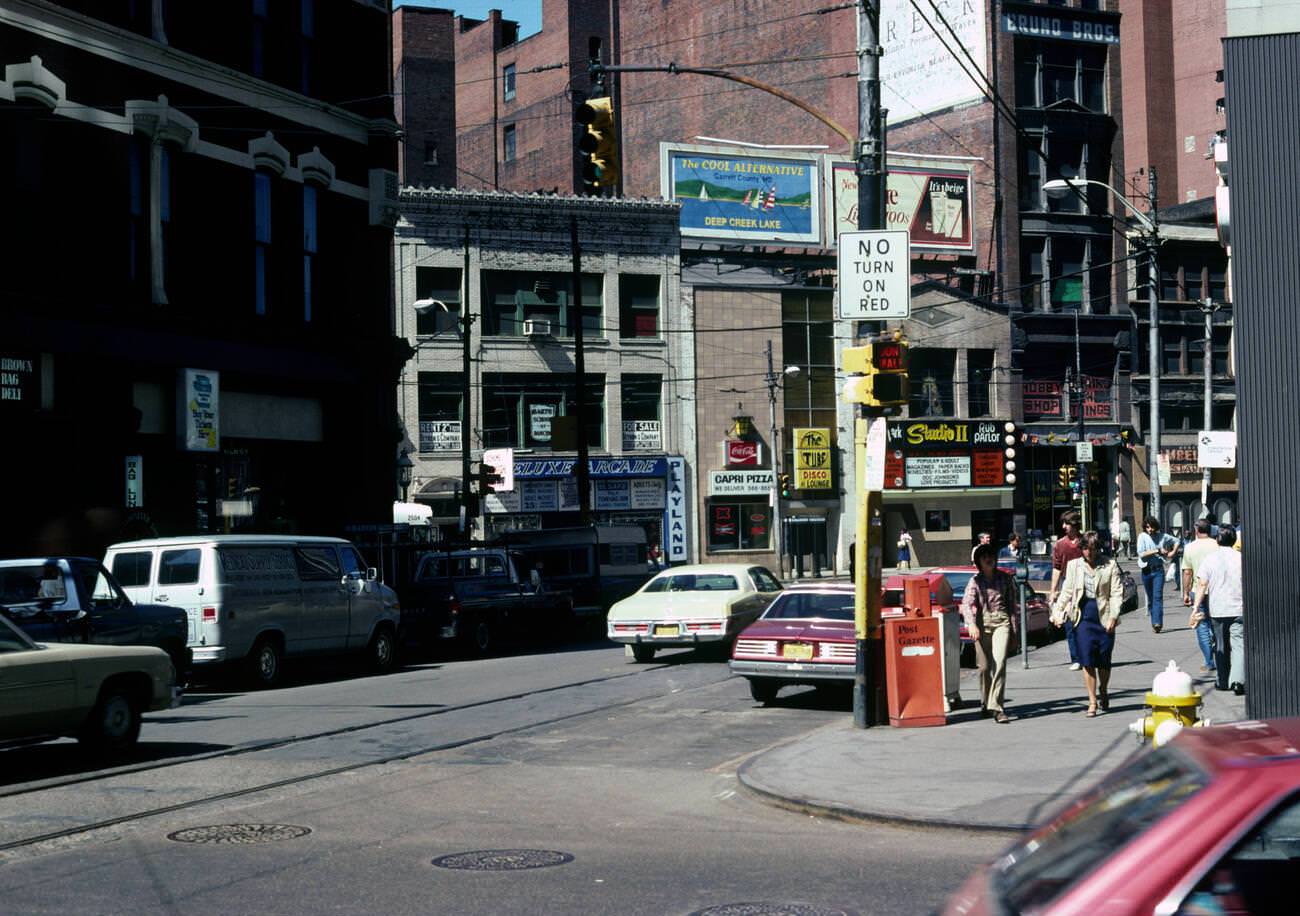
[599, 145]
[1066, 475]
[883, 380]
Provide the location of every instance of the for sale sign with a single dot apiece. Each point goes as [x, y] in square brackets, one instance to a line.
[875, 275]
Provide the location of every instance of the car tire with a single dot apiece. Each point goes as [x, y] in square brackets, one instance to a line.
[113, 726]
[265, 663]
[763, 690]
[643, 653]
[382, 651]
[480, 638]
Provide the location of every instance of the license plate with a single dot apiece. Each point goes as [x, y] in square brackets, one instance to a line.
[797, 650]
[667, 630]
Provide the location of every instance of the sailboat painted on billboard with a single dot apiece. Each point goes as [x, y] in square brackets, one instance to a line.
[735, 196]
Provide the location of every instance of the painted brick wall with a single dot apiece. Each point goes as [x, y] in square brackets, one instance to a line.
[424, 77]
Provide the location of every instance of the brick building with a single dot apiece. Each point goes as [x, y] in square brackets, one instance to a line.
[424, 95]
[195, 302]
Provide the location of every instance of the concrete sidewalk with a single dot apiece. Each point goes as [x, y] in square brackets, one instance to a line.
[976, 774]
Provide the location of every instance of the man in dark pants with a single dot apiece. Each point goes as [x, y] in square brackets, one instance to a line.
[1069, 547]
[1219, 578]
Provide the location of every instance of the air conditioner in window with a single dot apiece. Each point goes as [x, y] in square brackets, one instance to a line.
[537, 327]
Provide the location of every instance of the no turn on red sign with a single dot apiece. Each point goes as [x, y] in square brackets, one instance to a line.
[875, 275]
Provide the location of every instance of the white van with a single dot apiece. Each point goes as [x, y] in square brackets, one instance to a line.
[256, 599]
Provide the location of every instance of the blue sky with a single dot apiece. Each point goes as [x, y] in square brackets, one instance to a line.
[528, 13]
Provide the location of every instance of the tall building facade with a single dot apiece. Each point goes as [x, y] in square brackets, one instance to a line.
[217, 356]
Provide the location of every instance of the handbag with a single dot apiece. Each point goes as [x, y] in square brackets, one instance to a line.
[1171, 571]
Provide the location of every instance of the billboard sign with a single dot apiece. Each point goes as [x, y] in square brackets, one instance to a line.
[741, 197]
[919, 74]
[932, 199]
[812, 459]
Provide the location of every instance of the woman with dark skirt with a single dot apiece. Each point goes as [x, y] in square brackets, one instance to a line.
[1091, 597]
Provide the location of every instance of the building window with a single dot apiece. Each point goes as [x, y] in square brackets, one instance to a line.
[979, 381]
[508, 143]
[309, 251]
[808, 342]
[442, 284]
[931, 374]
[1059, 269]
[739, 526]
[1172, 348]
[261, 26]
[641, 401]
[512, 297]
[306, 41]
[1067, 274]
[519, 411]
[430, 152]
[508, 82]
[261, 241]
[1054, 72]
[440, 403]
[638, 306]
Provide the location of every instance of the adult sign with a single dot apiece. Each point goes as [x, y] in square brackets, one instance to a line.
[875, 275]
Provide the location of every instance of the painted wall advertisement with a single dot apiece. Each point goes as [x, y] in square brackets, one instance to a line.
[743, 198]
[933, 199]
[812, 459]
[199, 404]
[944, 455]
[918, 72]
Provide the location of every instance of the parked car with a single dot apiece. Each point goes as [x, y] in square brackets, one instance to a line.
[597, 565]
[692, 606]
[94, 693]
[806, 636]
[1039, 624]
[253, 600]
[74, 599]
[1208, 824]
[476, 596]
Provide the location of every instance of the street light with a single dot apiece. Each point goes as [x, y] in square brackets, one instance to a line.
[424, 307]
[1058, 187]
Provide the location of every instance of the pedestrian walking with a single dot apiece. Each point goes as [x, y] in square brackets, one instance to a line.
[1012, 550]
[1154, 550]
[989, 608]
[1067, 547]
[904, 550]
[1125, 538]
[1091, 596]
[1202, 546]
[1219, 578]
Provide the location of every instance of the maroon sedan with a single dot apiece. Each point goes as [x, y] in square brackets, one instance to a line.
[1209, 824]
[806, 636]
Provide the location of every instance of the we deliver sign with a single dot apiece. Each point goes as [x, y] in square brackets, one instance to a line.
[875, 275]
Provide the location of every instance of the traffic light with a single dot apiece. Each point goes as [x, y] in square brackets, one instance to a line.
[883, 382]
[784, 483]
[599, 145]
[1067, 476]
[488, 479]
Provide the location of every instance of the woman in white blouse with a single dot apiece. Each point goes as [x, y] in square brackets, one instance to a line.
[1090, 597]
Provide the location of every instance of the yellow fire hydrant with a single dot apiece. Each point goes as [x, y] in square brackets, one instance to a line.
[1173, 703]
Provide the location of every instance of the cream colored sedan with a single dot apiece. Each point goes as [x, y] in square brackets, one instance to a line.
[94, 693]
[691, 606]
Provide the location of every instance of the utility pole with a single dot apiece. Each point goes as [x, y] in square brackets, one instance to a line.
[581, 469]
[869, 535]
[772, 381]
[1153, 349]
[466, 393]
[1209, 307]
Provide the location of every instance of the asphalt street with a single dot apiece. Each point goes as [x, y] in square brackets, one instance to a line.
[617, 780]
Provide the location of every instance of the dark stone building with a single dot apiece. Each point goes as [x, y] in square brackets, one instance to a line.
[195, 299]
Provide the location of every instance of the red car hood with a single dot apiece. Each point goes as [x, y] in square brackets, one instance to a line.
[799, 629]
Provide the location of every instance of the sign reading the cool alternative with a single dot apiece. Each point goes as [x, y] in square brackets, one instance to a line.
[743, 198]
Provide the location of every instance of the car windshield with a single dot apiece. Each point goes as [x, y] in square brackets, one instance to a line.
[11, 638]
[29, 583]
[958, 581]
[803, 605]
[693, 582]
[1096, 826]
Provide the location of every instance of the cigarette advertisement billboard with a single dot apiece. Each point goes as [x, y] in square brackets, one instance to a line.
[933, 199]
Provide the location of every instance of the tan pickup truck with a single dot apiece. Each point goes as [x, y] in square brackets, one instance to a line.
[96, 694]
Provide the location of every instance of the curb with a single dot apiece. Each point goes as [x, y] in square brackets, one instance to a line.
[844, 813]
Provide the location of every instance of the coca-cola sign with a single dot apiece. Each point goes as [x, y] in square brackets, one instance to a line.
[741, 454]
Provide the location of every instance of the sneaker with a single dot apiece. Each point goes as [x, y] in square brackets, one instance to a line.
[1075, 666]
[1239, 689]
[1207, 669]
[1155, 628]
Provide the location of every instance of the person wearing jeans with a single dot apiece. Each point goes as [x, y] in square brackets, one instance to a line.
[1067, 548]
[1219, 579]
[1154, 550]
[1201, 546]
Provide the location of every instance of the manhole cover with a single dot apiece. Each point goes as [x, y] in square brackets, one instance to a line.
[503, 859]
[239, 834]
[771, 909]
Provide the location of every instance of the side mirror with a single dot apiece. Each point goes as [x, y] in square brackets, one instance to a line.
[372, 574]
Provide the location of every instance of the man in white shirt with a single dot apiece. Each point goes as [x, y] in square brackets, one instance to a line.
[1219, 578]
[1193, 554]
